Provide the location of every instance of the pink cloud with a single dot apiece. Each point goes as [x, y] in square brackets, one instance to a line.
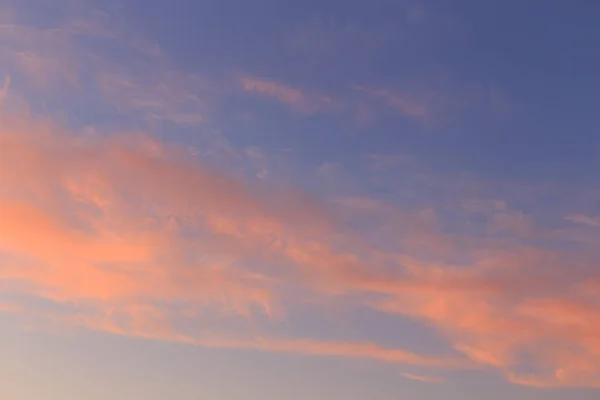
[150, 324]
[100, 222]
[422, 378]
[493, 321]
[583, 219]
[136, 234]
[166, 96]
[9, 308]
[293, 97]
[100, 219]
[487, 309]
[143, 85]
[128, 227]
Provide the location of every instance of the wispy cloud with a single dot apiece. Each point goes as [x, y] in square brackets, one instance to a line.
[583, 219]
[141, 84]
[421, 378]
[304, 347]
[163, 96]
[295, 98]
[486, 310]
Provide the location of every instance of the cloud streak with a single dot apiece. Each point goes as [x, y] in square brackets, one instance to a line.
[302, 347]
[422, 378]
[583, 219]
[293, 97]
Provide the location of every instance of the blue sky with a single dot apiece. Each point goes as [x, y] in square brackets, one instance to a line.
[276, 199]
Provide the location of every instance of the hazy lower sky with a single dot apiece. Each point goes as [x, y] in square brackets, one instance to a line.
[281, 199]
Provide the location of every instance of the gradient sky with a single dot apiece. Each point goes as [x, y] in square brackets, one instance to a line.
[332, 199]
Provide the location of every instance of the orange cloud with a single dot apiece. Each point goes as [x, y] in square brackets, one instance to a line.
[135, 234]
[9, 308]
[121, 220]
[293, 97]
[497, 322]
[510, 306]
[127, 228]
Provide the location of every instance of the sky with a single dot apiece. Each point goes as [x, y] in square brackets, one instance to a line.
[333, 199]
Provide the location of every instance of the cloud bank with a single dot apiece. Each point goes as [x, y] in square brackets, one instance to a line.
[129, 232]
